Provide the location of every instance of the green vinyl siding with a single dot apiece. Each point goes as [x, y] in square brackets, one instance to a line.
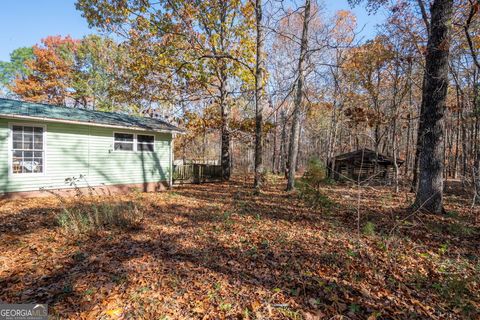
[74, 150]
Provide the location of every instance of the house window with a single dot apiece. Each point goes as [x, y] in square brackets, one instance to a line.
[145, 143]
[28, 149]
[123, 141]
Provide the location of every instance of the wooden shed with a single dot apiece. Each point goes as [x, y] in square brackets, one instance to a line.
[365, 164]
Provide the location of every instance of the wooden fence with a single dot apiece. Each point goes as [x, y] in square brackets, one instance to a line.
[196, 173]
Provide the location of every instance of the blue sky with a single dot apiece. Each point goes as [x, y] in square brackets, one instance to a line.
[25, 22]
[365, 21]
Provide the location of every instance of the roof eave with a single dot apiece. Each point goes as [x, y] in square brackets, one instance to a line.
[94, 124]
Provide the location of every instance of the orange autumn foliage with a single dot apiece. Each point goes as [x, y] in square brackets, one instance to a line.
[52, 66]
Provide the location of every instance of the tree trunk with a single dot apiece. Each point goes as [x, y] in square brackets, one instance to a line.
[407, 155]
[476, 164]
[394, 145]
[417, 157]
[225, 144]
[457, 140]
[418, 147]
[259, 70]
[274, 153]
[377, 145]
[430, 186]
[331, 143]
[224, 108]
[299, 148]
[294, 136]
[204, 142]
[464, 148]
[283, 143]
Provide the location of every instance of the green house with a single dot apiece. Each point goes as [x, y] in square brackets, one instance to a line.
[47, 147]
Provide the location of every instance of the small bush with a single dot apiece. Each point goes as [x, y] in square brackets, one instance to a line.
[315, 173]
[369, 229]
[309, 185]
[312, 196]
[87, 213]
[80, 217]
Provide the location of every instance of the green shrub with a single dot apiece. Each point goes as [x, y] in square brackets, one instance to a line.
[369, 229]
[312, 196]
[316, 172]
[309, 185]
[315, 199]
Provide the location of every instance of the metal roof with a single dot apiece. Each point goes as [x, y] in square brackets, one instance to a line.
[28, 110]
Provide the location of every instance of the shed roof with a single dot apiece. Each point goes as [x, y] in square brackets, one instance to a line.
[36, 111]
[367, 155]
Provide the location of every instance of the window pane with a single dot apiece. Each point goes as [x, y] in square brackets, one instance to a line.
[17, 154]
[124, 137]
[27, 141]
[18, 136]
[38, 142]
[37, 165]
[145, 142]
[125, 146]
[17, 145]
[16, 161]
[27, 130]
[27, 165]
[17, 168]
[144, 138]
[145, 147]
[38, 130]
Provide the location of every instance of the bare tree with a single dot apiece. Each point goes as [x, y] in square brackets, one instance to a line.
[259, 95]
[295, 133]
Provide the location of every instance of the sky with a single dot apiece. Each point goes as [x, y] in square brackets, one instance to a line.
[26, 22]
[366, 22]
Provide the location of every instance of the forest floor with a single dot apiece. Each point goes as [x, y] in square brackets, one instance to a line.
[218, 251]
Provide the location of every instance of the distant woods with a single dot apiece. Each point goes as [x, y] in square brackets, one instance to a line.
[279, 83]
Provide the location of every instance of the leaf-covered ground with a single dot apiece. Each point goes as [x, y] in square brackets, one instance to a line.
[217, 251]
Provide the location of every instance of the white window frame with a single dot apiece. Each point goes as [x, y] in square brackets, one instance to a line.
[148, 135]
[10, 149]
[134, 142]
